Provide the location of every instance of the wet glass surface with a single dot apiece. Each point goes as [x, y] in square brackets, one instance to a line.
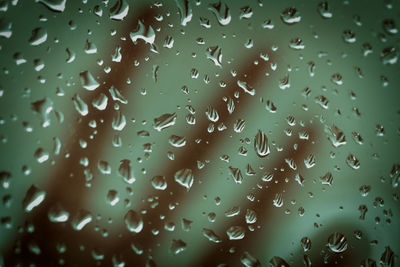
[199, 133]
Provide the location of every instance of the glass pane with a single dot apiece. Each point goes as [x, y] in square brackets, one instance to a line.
[199, 133]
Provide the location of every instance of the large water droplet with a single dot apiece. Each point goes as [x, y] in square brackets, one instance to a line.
[214, 53]
[290, 16]
[39, 36]
[88, 81]
[185, 178]
[261, 144]
[185, 11]
[236, 232]
[120, 10]
[58, 214]
[33, 198]
[54, 5]
[80, 106]
[146, 34]
[164, 121]
[249, 260]
[222, 13]
[43, 107]
[210, 235]
[337, 242]
[126, 171]
[159, 182]
[177, 246]
[133, 221]
[81, 219]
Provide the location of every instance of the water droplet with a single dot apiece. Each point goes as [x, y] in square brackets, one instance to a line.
[251, 216]
[80, 106]
[90, 48]
[159, 182]
[327, 178]
[104, 167]
[212, 114]
[177, 141]
[296, 44]
[41, 155]
[119, 121]
[261, 144]
[185, 178]
[186, 224]
[389, 26]
[126, 171]
[268, 24]
[270, 106]
[290, 16]
[335, 135]
[235, 210]
[324, 10]
[364, 190]
[39, 36]
[221, 12]
[305, 244]
[43, 107]
[309, 161]
[112, 197]
[249, 260]
[117, 56]
[387, 258]
[214, 53]
[177, 246]
[33, 198]
[395, 175]
[185, 11]
[236, 175]
[100, 101]
[236, 232]
[120, 10]
[246, 12]
[278, 200]
[98, 11]
[352, 162]
[133, 221]
[164, 121]
[168, 42]
[239, 125]
[278, 262]
[246, 88]
[230, 105]
[337, 242]
[5, 28]
[284, 83]
[349, 36]
[146, 34]
[54, 5]
[57, 214]
[389, 55]
[211, 236]
[81, 219]
[88, 81]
